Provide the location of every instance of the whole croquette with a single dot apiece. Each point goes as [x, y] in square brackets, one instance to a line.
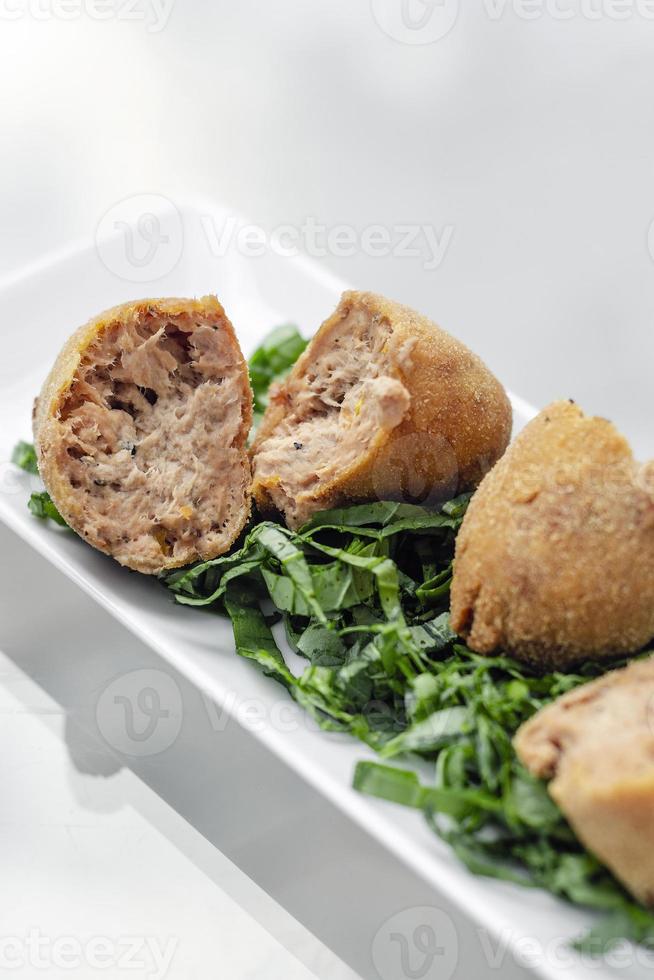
[383, 404]
[555, 558]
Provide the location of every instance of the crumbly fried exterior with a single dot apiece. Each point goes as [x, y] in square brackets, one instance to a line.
[555, 558]
[130, 432]
[454, 420]
[596, 745]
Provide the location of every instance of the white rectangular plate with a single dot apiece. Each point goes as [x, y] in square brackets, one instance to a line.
[40, 307]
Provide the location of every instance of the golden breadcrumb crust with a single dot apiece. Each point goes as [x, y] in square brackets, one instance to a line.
[555, 558]
[457, 426]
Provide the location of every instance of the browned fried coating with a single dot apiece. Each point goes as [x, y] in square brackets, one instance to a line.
[140, 431]
[596, 745]
[555, 558]
[383, 404]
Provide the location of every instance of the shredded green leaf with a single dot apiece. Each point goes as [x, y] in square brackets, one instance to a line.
[366, 603]
[24, 455]
[272, 361]
[40, 503]
[41, 506]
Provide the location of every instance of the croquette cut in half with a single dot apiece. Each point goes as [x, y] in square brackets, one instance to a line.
[555, 558]
[383, 404]
[596, 745]
[140, 432]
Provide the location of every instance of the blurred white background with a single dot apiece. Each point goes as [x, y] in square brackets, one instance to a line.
[522, 139]
[524, 136]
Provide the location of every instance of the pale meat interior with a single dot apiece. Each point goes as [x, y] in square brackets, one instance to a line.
[152, 437]
[342, 402]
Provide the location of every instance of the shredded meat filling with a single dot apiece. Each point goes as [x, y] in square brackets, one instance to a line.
[150, 426]
[345, 399]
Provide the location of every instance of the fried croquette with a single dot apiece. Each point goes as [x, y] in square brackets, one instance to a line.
[140, 432]
[555, 559]
[596, 745]
[383, 404]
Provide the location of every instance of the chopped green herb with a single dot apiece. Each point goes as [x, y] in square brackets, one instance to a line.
[41, 506]
[364, 595]
[272, 361]
[24, 455]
